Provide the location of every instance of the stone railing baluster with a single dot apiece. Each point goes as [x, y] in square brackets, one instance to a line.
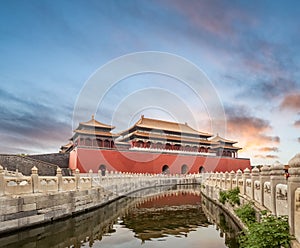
[264, 177]
[276, 177]
[59, 179]
[254, 177]
[35, 179]
[2, 183]
[293, 185]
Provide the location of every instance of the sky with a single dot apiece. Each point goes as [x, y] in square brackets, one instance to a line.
[248, 50]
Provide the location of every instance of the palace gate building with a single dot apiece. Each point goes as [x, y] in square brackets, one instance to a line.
[151, 146]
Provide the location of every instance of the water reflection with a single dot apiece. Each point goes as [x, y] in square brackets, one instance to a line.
[162, 216]
[227, 227]
[176, 214]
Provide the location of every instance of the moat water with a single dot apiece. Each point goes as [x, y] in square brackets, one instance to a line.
[157, 217]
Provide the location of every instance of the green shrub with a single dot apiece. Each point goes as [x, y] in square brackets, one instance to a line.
[271, 232]
[231, 196]
[246, 213]
[222, 197]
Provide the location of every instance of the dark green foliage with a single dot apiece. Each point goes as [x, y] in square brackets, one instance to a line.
[264, 212]
[223, 197]
[271, 232]
[232, 196]
[246, 213]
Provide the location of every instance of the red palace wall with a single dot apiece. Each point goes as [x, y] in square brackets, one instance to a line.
[150, 162]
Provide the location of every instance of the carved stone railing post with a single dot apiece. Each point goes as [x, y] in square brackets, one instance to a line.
[276, 177]
[59, 179]
[35, 179]
[77, 179]
[293, 184]
[217, 182]
[264, 177]
[221, 175]
[2, 185]
[254, 177]
[239, 176]
[226, 176]
[231, 177]
[213, 179]
[246, 176]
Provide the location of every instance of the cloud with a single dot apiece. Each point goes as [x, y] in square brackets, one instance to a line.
[272, 156]
[269, 156]
[299, 139]
[214, 17]
[272, 87]
[31, 127]
[250, 130]
[291, 102]
[297, 123]
[269, 72]
[269, 149]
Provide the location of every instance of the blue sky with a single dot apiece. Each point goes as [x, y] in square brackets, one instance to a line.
[248, 49]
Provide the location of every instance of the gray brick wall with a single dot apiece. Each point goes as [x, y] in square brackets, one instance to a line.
[24, 163]
[60, 159]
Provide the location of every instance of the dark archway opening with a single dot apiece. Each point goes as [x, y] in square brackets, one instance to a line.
[184, 169]
[102, 168]
[165, 169]
[201, 169]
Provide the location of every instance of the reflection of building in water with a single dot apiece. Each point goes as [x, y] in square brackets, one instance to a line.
[176, 214]
[223, 222]
[151, 146]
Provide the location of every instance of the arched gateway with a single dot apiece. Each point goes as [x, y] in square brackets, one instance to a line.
[184, 169]
[201, 169]
[165, 169]
[102, 168]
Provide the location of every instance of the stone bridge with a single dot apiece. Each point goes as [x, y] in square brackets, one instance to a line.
[34, 199]
[269, 188]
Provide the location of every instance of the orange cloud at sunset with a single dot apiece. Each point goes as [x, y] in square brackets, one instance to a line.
[253, 133]
[266, 156]
[291, 102]
[269, 149]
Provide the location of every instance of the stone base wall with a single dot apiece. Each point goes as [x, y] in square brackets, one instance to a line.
[32, 209]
